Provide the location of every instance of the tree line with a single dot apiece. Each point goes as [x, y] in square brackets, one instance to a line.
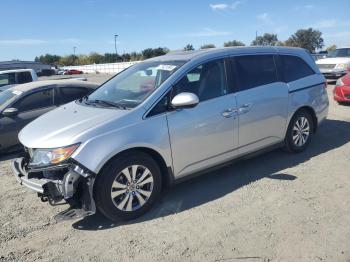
[309, 39]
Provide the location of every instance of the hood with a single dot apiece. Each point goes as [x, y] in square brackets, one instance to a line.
[333, 60]
[64, 125]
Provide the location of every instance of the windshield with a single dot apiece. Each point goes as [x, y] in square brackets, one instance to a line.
[131, 87]
[8, 95]
[7, 79]
[342, 52]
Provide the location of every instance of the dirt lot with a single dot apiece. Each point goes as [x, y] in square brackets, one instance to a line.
[275, 207]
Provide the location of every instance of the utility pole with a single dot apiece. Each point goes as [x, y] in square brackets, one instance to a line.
[115, 46]
[74, 48]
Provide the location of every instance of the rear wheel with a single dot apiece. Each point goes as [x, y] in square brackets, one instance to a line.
[299, 132]
[128, 186]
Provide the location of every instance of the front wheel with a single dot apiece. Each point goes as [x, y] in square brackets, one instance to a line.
[299, 132]
[128, 186]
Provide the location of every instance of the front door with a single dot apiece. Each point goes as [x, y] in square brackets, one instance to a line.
[207, 134]
[29, 107]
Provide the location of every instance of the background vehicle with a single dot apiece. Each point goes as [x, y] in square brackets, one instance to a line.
[9, 78]
[342, 89]
[318, 56]
[61, 71]
[21, 104]
[336, 64]
[72, 72]
[117, 147]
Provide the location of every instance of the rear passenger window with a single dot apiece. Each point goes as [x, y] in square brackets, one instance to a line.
[254, 70]
[292, 68]
[207, 81]
[69, 94]
[24, 77]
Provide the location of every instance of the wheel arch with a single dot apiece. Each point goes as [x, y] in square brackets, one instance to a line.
[166, 171]
[311, 111]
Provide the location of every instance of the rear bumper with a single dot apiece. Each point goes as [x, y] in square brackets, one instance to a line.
[333, 73]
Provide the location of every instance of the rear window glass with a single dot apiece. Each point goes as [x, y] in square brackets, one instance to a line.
[255, 70]
[292, 68]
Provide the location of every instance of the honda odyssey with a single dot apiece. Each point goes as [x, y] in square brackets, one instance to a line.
[168, 118]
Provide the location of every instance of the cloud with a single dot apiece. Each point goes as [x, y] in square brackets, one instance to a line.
[218, 6]
[341, 38]
[330, 23]
[222, 6]
[23, 41]
[265, 19]
[343, 34]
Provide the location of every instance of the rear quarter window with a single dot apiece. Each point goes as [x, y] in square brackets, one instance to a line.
[291, 68]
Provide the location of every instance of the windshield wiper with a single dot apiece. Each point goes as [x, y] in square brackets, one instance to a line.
[105, 103]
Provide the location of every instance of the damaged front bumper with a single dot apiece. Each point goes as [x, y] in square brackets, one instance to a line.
[71, 183]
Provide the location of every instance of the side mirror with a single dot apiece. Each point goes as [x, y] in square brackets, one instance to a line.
[11, 111]
[185, 100]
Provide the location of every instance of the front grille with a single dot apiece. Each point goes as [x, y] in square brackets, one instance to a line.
[326, 66]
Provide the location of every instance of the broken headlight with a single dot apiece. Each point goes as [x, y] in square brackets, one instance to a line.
[53, 156]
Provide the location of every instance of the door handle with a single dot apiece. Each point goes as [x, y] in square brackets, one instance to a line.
[230, 112]
[245, 108]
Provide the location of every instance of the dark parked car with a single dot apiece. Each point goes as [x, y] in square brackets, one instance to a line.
[21, 104]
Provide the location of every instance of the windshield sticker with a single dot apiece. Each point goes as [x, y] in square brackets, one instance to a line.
[16, 92]
[166, 67]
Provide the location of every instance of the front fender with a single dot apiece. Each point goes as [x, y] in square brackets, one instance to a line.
[149, 133]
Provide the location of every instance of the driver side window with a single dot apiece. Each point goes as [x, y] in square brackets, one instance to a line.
[207, 81]
[36, 100]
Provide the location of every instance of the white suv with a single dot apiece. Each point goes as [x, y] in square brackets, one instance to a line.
[13, 77]
[336, 64]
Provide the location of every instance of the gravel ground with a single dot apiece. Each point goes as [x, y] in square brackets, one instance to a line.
[275, 207]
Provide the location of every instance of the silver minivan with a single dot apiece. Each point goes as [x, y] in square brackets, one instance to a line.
[166, 119]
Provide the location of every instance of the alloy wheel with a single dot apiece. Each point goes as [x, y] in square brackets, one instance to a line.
[132, 188]
[301, 131]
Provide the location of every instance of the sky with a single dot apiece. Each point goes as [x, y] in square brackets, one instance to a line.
[31, 28]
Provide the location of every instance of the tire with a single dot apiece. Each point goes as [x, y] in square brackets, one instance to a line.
[297, 139]
[118, 196]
